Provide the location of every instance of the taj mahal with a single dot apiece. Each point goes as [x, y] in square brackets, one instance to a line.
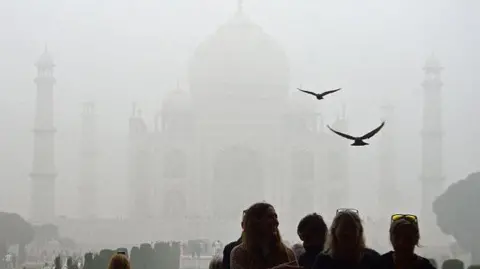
[237, 134]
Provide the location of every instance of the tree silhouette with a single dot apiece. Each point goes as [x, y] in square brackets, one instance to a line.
[14, 230]
[456, 214]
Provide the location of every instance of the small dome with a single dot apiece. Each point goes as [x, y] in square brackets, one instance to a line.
[239, 54]
[45, 60]
[176, 101]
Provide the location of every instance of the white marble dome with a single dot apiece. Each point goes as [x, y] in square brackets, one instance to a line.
[239, 56]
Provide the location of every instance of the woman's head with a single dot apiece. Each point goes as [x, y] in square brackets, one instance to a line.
[312, 230]
[404, 235]
[216, 263]
[261, 225]
[346, 235]
[119, 261]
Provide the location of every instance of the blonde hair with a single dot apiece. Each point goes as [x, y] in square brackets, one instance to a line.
[332, 240]
[119, 261]
[251, 233]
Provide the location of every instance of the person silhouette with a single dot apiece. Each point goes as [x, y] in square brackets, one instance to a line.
[262, 245]
[312, 230]
[346, 245]
[227, 250]
[404, 236]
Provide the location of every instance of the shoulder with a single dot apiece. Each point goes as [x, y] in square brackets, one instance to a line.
[386, 258]
[322, 258]
[372, 253]
[425, 263]
[238, 252]
[230, 246]
[239, 257]
[290, 254]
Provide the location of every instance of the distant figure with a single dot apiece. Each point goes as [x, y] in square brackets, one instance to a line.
[262, 245]
[320, 95]
[358, 141]
[119, 261]
[298, 250]
[58, 262]
[216, 263]
[346, 245]
[229, 247]
[404, 236]
[217, 248]
[312, 230]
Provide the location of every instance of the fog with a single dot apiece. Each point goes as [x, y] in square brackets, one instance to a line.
[115, 53]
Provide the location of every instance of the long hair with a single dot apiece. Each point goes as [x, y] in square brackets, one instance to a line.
[354, 218]
[252, 233]
[119, 261]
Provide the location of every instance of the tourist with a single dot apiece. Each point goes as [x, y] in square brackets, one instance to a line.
[312, 230]
[227, 250]
[262, 246]
[404, 236]
[216, 263]
[298, 250]
[346, 245]
[119, 261]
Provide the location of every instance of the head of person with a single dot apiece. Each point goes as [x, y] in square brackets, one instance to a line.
[216, 263]
[298, 249]
[346, 238]
[261, 227]
[312, 230]
[404, 233]
[119, 261]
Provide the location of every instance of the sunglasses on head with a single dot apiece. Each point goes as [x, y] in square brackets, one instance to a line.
[408, 217]
[351, 210]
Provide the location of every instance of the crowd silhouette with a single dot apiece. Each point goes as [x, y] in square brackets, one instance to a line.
[343, 246]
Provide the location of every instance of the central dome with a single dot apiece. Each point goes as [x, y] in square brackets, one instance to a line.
[240, 56]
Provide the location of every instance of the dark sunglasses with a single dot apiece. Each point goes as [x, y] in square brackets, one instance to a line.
[408, 217]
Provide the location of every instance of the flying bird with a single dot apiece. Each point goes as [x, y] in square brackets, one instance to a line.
[358, 141]
[319, 95]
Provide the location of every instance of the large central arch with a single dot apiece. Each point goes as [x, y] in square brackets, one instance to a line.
[238, 181]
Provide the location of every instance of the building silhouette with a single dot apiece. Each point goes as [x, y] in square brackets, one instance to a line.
[235, 135]
[43, 173]
[432, 178]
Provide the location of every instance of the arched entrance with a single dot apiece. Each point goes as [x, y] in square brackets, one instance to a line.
[238, 182]
[175, 204]
[174, 164]
[174, 168]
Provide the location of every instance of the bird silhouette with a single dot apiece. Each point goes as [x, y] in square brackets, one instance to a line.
[358, 141]
[319, 95]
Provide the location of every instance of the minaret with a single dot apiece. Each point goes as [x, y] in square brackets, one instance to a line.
[138, 166]
[43, 171]
[387, 193]
[432, 140]
[88, 161]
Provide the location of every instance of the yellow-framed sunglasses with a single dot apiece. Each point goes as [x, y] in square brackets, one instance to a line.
[408, 217]
[352, 210]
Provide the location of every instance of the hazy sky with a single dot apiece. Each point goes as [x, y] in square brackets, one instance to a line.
[115, 52]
